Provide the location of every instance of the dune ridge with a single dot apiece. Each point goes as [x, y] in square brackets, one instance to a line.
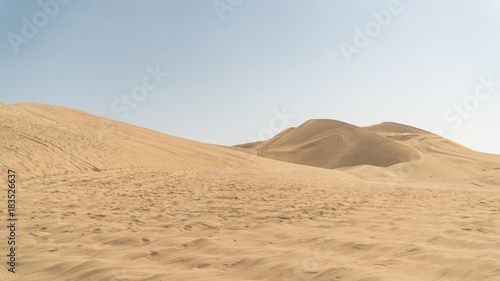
[374, 152]
[332, 144]
[45, 139]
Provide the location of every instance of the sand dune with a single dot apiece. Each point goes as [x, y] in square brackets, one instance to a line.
[332, 144]
[45, 139]
[103, 200]
[376, 152]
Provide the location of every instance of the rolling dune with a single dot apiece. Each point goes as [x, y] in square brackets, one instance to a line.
[332, 144]
[103, 200]
[378, 152]
[45, 139]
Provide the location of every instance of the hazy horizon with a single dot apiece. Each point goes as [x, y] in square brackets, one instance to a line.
[234, 68]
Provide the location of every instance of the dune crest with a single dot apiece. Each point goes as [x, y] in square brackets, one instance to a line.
[45, 139]
[374, 152]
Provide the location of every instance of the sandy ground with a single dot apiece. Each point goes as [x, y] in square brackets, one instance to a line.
[133, 204]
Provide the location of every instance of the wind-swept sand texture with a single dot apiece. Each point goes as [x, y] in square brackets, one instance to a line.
[103, 200]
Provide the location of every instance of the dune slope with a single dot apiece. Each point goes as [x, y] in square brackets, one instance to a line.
[46, 139]
[386, 151]
[332, 144]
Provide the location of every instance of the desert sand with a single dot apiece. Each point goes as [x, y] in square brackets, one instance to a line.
[103, 200]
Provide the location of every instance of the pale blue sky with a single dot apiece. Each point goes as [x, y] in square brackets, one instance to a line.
[227, 77]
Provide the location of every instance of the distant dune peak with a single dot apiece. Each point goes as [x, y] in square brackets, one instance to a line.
[335, 144]
[332, 144]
